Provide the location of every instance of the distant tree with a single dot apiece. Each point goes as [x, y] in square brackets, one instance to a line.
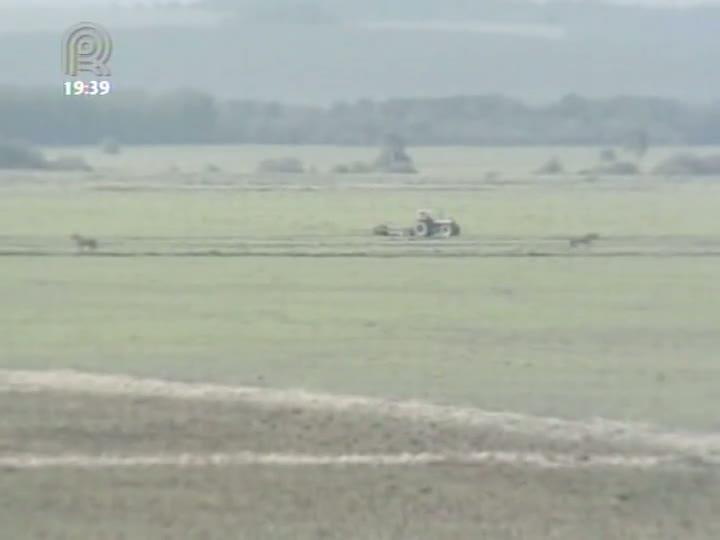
[192, 117]
[393, 157]
[184, 116]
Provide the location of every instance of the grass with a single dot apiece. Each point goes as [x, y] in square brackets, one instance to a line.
[626, 337]
[576, 337]
[564, 337]
[667, 210]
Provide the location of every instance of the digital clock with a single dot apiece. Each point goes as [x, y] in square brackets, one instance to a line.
[87, 88]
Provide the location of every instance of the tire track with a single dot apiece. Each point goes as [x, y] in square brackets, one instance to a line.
[529, 459]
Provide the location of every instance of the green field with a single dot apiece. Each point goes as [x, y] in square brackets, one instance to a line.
[626, 329]
[623, 339]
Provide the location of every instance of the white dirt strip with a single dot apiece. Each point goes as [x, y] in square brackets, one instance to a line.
[530, 459]
[701, 444]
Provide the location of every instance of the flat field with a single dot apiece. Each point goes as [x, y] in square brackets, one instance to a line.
[250, 288]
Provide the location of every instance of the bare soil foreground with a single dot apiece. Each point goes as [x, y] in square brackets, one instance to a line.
[108, 457]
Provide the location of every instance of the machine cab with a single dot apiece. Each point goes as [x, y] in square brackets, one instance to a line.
[424, 215]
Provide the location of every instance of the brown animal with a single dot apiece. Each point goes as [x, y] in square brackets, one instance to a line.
[83, 243]
[583, 240]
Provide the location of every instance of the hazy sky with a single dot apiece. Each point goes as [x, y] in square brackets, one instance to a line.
[72, 3]
[321, 64]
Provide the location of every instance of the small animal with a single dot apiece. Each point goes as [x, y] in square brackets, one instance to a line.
[83, 243]
[583, 240]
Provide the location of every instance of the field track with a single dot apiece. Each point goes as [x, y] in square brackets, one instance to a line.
[364, 245]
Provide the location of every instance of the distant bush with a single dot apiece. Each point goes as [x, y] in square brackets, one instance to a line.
[360, 167]
[623, 168]
[397, 167]
[340, 169]
[553, 166]
[212, 168]
[109, 146]
[638, 143]
[393, 159]
[608, 155]
[356, 167]
[689, 164]
[69, 163]
[281, 165]
[19, 155]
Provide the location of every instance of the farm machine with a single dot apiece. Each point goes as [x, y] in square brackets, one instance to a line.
[426, 226]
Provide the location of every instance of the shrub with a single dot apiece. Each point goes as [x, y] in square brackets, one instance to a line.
[69, 163]
[109, 146]
[19, 155]
[618, 167]
[281, 165]
[356, 167]
[393, 159]
[340, 169]
[689, 164]
[608, 155]
[397, 167]
[552, 166]
[359, 167]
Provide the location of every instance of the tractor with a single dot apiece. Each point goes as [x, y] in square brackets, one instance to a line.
[426, 226]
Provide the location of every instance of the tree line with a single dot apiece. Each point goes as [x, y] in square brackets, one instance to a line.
[46, 117]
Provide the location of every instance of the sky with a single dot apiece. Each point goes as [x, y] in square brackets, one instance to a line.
[73, 3]
[320, 64]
